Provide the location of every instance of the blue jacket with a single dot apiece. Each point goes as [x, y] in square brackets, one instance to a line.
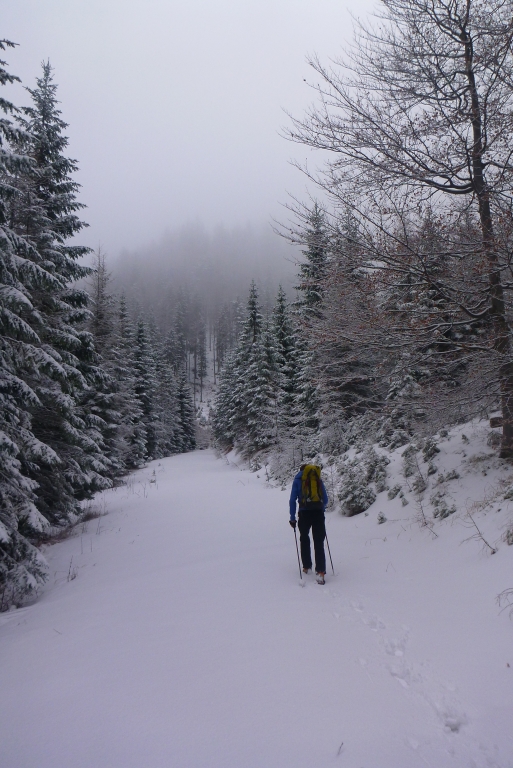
[295, 495]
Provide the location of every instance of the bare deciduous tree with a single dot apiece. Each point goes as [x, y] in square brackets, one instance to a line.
[420, 115]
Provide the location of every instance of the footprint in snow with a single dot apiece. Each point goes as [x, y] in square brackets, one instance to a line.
[449, 713]
[393, 647]
[374, 623]
[396, 647]
[451, 716]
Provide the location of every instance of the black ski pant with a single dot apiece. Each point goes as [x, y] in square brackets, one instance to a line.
[314, 519]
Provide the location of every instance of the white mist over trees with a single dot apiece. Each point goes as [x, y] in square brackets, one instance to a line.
[193, 283]
[213, 267]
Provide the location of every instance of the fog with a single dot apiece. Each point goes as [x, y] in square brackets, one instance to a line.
[175, 106]
[214, 268]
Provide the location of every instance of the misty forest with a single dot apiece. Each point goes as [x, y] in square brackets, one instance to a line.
[371, 324]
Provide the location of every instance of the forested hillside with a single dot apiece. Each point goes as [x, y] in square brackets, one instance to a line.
[402, 322]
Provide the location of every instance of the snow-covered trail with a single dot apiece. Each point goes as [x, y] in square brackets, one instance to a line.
[185, 641]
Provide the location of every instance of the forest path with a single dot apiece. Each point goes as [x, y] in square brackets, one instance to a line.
[173, 634]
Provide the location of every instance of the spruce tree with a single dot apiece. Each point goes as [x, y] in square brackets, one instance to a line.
[306, 406]
[166, 418]
[312, 289]
[102, 309]
[312, 271]
[51, 451]
[22, 362]
[222, 337]
[133, 430]
[59, 420]
[347, 368]
[285, 335]
[169, 436]
[202, 354]
[249, 335]
[227, 330]
[181, 332]
[146, 384]
[246, 406]
[172, 351]
[262, 394]
[223, 413]
[109, 398]
[187, 422]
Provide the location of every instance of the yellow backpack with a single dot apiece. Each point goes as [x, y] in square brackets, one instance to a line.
[311, 492]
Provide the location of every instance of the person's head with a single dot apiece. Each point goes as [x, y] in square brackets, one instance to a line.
[311, 461]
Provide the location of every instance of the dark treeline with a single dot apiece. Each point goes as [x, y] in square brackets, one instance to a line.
[85, 393]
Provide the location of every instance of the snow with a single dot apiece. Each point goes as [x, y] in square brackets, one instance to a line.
[172, 632]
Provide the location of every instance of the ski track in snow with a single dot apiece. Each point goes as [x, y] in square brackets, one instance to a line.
[172, 634]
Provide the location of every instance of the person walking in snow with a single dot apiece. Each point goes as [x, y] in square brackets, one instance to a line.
[310, 493]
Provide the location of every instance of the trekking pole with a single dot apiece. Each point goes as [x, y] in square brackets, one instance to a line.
[298, 560]
[329, 552]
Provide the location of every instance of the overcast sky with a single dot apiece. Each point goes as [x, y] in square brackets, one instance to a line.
[175, 106]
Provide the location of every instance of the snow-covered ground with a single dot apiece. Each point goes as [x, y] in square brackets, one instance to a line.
[173, 632]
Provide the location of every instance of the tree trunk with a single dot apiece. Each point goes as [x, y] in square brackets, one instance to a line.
[501, 330]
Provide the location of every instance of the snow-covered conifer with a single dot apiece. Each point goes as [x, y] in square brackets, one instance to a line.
[312, 271]
[59, 420]
[133, 430]
[146, 384]
[285, 335]
[307, 399]
[246, 407]
[202, 354]
[22, 361]
[250, 333]
[262, 394]
[187, 423]
[222, 417]
[166, 417]
[112, 398]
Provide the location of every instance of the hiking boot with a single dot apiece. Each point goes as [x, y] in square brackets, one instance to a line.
[307, 570]
[320, 578]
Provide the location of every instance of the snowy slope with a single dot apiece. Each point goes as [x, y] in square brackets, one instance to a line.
[173, 634]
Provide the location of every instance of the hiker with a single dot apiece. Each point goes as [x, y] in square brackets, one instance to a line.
[309, 491]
